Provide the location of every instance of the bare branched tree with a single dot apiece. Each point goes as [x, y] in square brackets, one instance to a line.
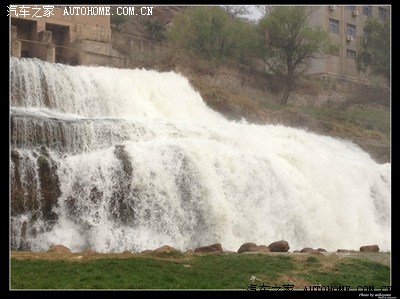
[237, 11]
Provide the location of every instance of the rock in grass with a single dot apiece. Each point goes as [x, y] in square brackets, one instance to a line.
[311, 251]
[165, 249]
[211, 248]
[252, 247]
[246, 247]
[369, 248]
[279, 246]
[59, 249]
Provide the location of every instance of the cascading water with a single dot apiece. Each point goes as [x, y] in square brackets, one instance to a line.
[117, 160]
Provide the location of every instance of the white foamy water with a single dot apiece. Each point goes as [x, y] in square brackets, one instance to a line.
[143, 162]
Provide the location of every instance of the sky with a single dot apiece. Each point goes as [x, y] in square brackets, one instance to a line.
[255, 14]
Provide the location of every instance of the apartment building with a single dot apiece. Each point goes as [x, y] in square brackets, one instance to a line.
[345, 24]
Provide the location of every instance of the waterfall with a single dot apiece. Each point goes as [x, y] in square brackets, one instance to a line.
[117, 159]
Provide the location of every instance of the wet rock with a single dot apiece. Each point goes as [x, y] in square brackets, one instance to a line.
[24, 185]
[124, 197]
[14, 154]
[123, 156]
[49, 186]
[44, 151]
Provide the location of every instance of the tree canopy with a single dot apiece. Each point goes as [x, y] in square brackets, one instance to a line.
[212, 33]
[118, 19]
[374, 49]
[289, 42]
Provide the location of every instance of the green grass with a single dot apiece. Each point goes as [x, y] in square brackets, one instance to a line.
[365, 117]
[369, 118]
[213, 271]
[353, 273]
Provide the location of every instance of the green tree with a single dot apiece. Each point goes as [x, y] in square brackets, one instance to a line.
[288, 44]
[211, 33]
[155, 28]
[374, 49]
[118, 19]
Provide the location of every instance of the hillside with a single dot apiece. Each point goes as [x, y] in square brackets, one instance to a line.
[347, 110]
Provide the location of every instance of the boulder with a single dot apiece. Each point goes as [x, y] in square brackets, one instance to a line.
[321, 250]
[369, 248]
[164, 249]
[311, 251]
[211, 248]
[307, 250]
[59, 249]
[252, 247]
[247, 247]
[279, 246]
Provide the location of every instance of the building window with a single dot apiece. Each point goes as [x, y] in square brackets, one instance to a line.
[351, 7]
[351, 54]
[382, 13]
[351, 30]
[334, 26]
[367, 10]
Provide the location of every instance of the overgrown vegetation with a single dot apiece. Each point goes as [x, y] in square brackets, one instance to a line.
[209, 271]
[117, 19]
[156, 29]
[211, 33]
[289, 42]
[374, 49]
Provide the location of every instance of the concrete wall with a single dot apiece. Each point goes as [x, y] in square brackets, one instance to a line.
[62, 32]
[138, 50]
[81, 27]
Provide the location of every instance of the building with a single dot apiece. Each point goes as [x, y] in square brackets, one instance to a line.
[345, 25]
[48, 33]
[84, 39]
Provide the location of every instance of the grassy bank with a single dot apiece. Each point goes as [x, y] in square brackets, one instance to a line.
[209, 271]
[354, 112]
